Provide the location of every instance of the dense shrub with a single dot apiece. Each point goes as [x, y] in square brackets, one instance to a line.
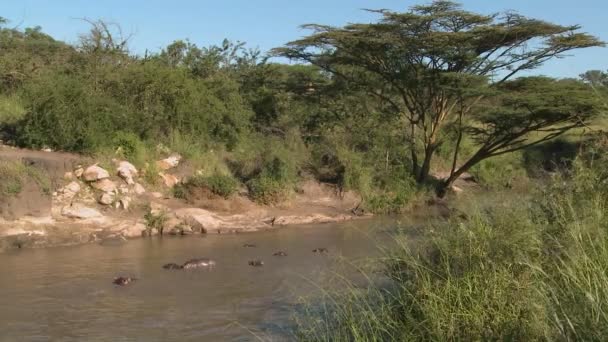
[221, 185]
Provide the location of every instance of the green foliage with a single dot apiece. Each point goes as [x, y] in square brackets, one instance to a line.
[11, 110]
[128, 146]
[221, 185]
[267, 190]
[155, 221]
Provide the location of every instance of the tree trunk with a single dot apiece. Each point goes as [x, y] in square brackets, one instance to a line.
[426, 165]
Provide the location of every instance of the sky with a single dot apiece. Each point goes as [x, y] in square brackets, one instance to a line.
[270, 23]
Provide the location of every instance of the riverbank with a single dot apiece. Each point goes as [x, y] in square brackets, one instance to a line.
[74, 200]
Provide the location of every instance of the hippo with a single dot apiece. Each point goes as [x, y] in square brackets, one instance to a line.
[256, 263]
[320, 250]
[122, 281]
[249, 245]
[198, 263]
[173, 266]
[280, 253]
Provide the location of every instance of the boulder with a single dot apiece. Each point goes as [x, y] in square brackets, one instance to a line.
[79, 211]
[123, 189]
[106, 198]
[134, 230]
[125, 202]
[168, 179]
[78, 172]
[95, 173]
[200, 220]
[104, 185]
[456, 189]
[169, 162]
[156, 195]
[139, 189]
[126, 171]
[73, 187]
[68, 175]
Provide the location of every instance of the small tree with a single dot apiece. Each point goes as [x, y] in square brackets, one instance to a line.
[435, 64]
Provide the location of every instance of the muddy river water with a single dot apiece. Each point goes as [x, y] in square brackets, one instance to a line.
[66, 294]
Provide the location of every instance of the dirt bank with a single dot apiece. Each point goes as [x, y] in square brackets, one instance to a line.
[88, 203]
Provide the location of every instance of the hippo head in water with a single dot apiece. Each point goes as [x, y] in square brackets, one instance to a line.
[320, 250]
[173, 266]
[256, 263]
[198, 263]
[122, 281]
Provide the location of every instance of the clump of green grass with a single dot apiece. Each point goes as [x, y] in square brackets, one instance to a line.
[155, 221]
[14, 175]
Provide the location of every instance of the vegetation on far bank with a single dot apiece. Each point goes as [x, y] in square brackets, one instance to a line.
[377, 124]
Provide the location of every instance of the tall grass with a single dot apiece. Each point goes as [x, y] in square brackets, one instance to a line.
[535, 270]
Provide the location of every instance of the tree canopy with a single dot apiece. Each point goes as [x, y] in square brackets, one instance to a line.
[434, 64]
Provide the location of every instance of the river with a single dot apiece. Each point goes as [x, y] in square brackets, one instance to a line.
[66, 294]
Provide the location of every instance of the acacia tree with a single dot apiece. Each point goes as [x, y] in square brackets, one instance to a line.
[435, 64]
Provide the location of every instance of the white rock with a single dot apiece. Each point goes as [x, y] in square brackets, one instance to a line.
[139, 189]
[156, 195]
[123, 189]
[104, 185]
[106, 198]
[79, 211]
[68, 175]
[78, 172]
[73, 187]
[199, 219]
[125, 202]
[456, 189]
[168, 179]
[134, 230]
[126, 171]
[169, 162]
[94, 173]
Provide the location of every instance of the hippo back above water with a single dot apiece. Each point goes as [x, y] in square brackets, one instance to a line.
[198, 263]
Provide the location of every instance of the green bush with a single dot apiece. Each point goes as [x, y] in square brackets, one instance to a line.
[129, 147]
[268, 190]
[221, 185]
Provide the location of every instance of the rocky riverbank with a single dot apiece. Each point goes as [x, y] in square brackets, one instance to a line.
[89, 202]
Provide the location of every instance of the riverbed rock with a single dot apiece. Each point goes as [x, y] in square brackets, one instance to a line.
[68, 175]
[105, 185]
[125, 202]
[106, 198]
[126, 171]
[200, 220]
[73, 187]
[139, 189]
[168, 179]
[95, 173]
[308, 219]
[134, 230]
[78, 211]
[156, 195]
[78, 172]
[169, 162]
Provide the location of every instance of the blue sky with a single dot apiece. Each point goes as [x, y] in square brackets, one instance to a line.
[270, 23]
